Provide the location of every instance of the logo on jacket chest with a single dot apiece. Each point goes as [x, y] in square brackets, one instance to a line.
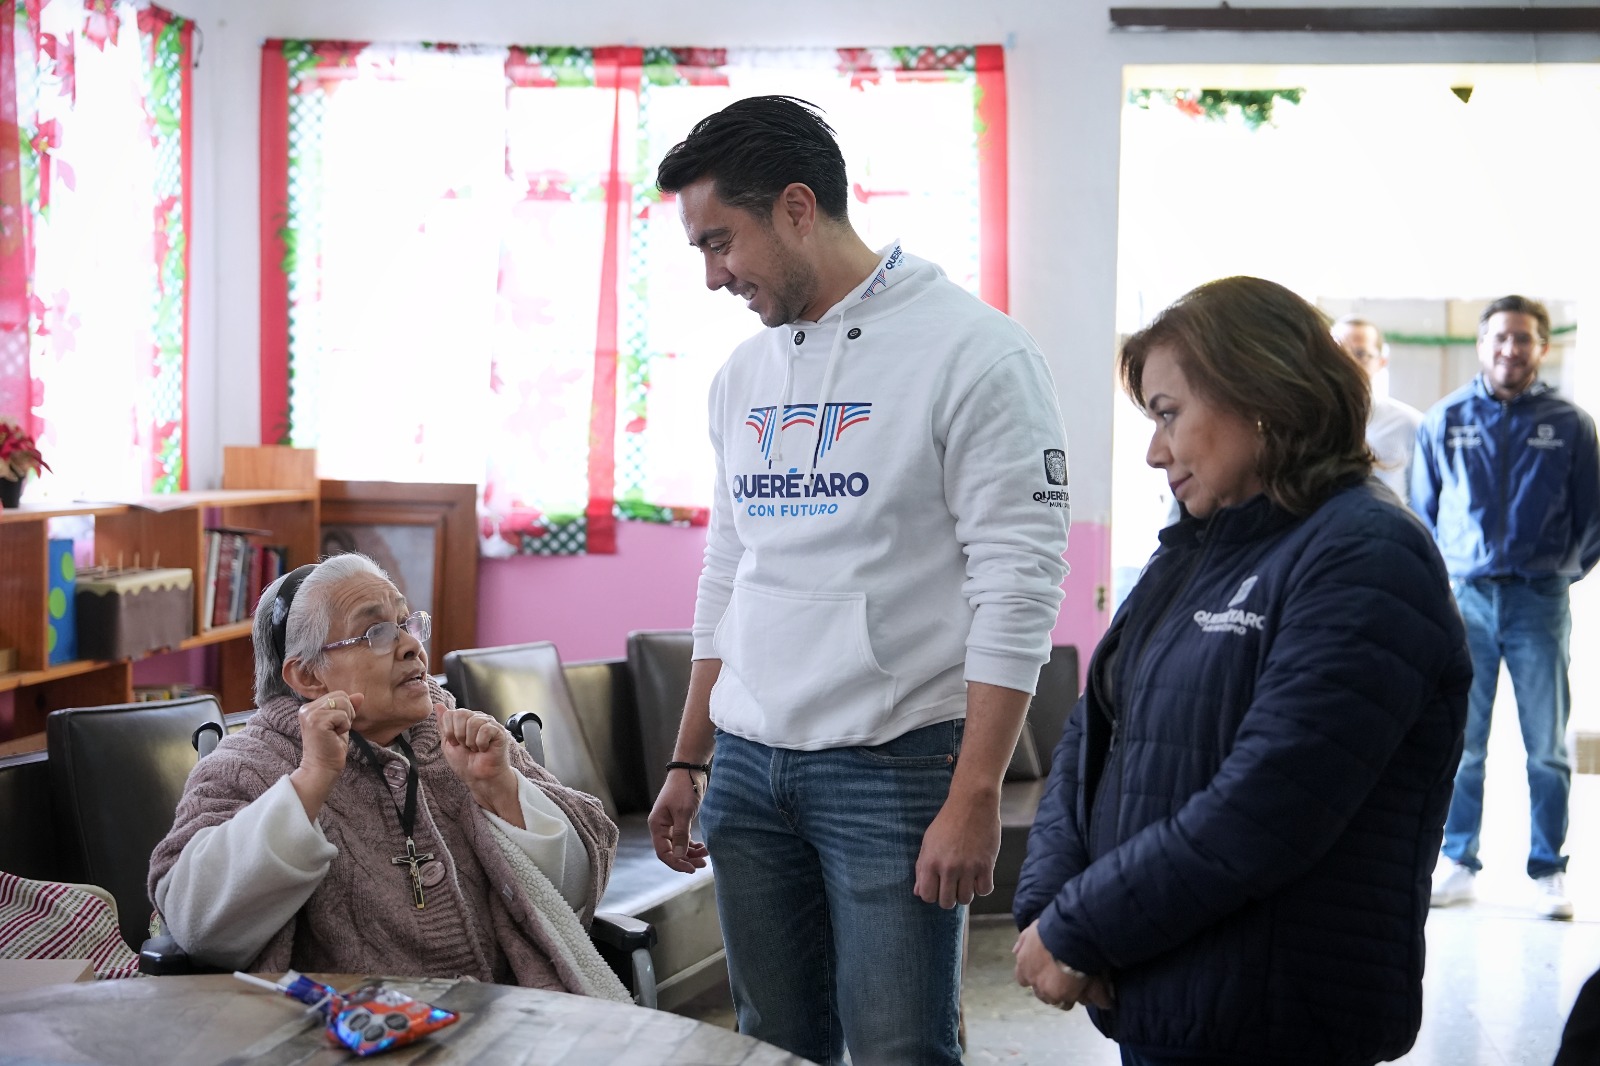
[1465, 437]
[1544, 437]
[798, 493]
[1234, 618]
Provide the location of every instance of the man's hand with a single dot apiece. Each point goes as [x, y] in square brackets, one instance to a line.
[959, 846]
[669, 821]
[958, 852]
[478, 749]
[1038, 969]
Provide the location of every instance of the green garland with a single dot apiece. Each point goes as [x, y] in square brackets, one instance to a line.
[1441, 340]
[1253, 105]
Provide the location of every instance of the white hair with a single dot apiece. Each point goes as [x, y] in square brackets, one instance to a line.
[308, 624]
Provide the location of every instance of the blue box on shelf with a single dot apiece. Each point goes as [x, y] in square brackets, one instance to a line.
[62, 639]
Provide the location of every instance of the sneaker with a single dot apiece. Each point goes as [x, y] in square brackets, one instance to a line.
[1553, 901]
[1452, 884]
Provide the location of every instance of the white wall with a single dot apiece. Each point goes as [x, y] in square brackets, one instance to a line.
[1065, 90]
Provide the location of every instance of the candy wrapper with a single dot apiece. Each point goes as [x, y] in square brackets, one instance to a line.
[373, 1019]
[369, 1020]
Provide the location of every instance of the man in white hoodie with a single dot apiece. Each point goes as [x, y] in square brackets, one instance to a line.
[882, 573]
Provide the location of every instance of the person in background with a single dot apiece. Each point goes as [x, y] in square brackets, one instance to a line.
[882, 573]
[1507, 476]
[1392, 426]
[360, 822]
[1230, 861]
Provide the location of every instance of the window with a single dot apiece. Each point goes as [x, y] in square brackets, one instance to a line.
[476, 279]
[93, 241]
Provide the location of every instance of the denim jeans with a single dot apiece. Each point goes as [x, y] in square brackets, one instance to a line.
[1528, 624]
[815, 853]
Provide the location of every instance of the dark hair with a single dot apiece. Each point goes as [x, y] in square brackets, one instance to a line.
[755, 148]
[1254, 348]
[1518, 305]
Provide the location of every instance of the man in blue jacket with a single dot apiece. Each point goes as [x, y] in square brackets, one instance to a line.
[1507, 476]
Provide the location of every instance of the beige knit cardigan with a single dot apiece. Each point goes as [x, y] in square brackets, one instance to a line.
[479, 921]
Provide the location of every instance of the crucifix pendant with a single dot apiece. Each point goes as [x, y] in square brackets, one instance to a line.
[412, 859]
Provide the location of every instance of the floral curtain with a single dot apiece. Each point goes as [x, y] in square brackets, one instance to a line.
[94, 179]
[468, 274]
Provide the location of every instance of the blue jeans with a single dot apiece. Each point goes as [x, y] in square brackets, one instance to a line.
[815, 853]
[1526, 622]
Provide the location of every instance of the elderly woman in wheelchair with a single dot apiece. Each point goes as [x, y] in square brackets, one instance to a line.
[361, 822]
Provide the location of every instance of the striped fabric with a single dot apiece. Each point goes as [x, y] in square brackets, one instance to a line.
[51, 920]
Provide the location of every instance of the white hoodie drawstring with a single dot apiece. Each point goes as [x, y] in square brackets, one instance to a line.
[783, 399]
[822, 400]
[828, 374]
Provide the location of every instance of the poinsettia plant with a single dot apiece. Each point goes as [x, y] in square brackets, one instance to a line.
[19, 455]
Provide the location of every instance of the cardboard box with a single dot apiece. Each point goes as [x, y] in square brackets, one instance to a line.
[124, 614]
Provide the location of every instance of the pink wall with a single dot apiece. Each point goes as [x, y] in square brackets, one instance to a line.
[587, 604]
[193, 667]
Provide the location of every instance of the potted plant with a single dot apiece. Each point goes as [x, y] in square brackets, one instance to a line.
[19, 457]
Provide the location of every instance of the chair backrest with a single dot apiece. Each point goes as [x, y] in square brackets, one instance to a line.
[116, 775]
[1053, 700]
[527, 677]
[602, 692]
[29, 844]
[660, 661]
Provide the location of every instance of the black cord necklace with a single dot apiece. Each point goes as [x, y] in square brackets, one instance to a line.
[408, 816]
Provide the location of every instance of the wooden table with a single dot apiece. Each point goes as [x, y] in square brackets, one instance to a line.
[217, 1019]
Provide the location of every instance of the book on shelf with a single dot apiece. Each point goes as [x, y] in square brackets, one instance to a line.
[213, 554]
[230, 573]
[242, 567]
[223, 579]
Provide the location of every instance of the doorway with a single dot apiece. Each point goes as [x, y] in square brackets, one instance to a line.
[1410, 194]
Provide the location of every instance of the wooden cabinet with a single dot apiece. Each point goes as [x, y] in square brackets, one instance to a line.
[272, 489]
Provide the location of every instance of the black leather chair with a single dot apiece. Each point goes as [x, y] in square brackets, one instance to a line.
[30, 846]
[596, 717]
[1028, 773]
[116, 775]
[622, 941]
[659, 661]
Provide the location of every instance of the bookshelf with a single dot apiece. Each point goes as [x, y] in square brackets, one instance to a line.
[268, 488]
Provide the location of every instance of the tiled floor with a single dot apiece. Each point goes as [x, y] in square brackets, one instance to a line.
[1499, 981]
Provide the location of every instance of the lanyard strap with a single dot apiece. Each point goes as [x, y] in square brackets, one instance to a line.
[408, 817]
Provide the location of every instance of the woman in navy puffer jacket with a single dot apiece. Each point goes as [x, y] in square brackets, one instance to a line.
[1231, 862]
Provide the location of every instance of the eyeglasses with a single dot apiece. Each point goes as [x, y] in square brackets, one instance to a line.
[381, 637]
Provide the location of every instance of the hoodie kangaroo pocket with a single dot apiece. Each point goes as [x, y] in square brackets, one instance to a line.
[806, 661]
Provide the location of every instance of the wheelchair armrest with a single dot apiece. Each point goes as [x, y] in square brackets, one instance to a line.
[614, 930]
[625, 945]
[206, 737]
[160, 956]
[528, 728]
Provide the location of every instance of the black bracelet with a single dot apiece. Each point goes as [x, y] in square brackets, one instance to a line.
[703, 767]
